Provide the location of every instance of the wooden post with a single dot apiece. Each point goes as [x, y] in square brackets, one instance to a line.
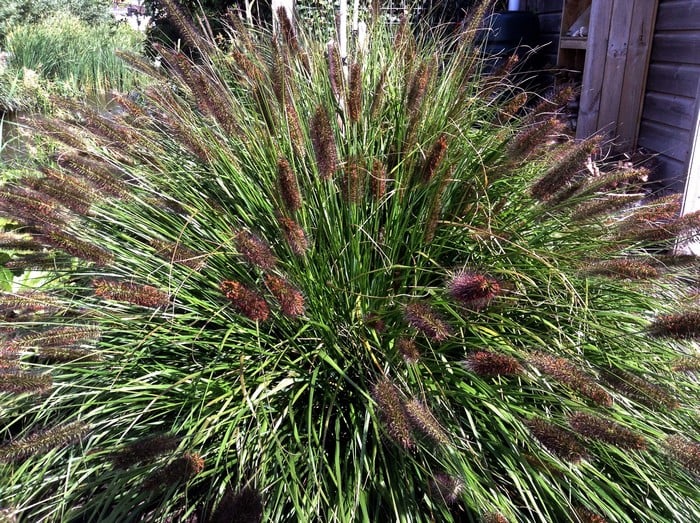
[614, 75]
[691, 198]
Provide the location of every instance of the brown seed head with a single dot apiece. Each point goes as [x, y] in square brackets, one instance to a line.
[254, 250]
[568, 374]
[473, 290]
[323, 143]
[144, 449]
[624, 269]
[294, 235]
[677, 325]
[424, 319]
[408, 349]
[41, 441]
[134, 293]
[491, 364]
[393, 412]
[557, 440]
[607, 431]
[685, 451]
[246, 301]
[288, 185]
[423, 419]
[289, 297]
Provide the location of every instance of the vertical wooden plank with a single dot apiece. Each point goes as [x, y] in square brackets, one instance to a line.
[691, 198]
[614, 72]
[594, 68]
[636, 67]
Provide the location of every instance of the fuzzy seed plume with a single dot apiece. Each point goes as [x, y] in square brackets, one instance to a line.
[245, 300]
[288, 186]
[446, 488]
[134, 293]
[355, 92]
[294, 235]
[16, 381]
[584, 515]
[489, 364]
[393, 413]
[600, 429]
[684, 324]
[640, 389]
[290, 299]
[246, 505]
[144, 449]
[408, 349]
[472, 289]
[623, 269]
[566, 373]
[42, 441]
[254, 250]
[424, 319]
[179, 470]
[323, 142]
[434, 159]
[557, 440]
[564, 168]
[423, 420]
[685, 451]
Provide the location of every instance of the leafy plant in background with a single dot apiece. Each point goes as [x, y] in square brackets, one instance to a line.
[288, 290]
[75, 54]
[19, 12]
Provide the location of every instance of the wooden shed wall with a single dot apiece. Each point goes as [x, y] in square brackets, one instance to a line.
[549, 14]
[668, 115]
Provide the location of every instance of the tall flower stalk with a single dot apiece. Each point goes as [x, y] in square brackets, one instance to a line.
[360, 300]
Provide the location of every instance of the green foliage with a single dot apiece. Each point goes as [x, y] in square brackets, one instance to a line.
[78, 55]
[20, 12]
[283, 290]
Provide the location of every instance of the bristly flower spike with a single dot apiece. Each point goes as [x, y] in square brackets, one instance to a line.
[564, 169]
[246, 505]
[393, 412]
[20, 382]
[355, 92]
[424, 319]
[181, 469]
[294, 235]
[134, 293]
[288, 186]
[291, 300]
[42, 441]
[623, 269]
[473, 290]
[677, 325]
[408, 349]
[335, 70]
[557, 440]
[607, 431]
[144, 449]
[446, 488]
[685, 451]
[492, 364]
[434, 159]
[254, 250]
[323, 143]
[422, 419]
[568, 374]
[246, 301]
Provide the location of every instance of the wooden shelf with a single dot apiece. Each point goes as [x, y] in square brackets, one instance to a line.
[573, 42]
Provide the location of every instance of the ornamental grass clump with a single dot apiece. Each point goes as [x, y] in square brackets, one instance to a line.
[295, 291]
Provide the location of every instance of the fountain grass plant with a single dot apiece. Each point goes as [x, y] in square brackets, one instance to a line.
[293, 289]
